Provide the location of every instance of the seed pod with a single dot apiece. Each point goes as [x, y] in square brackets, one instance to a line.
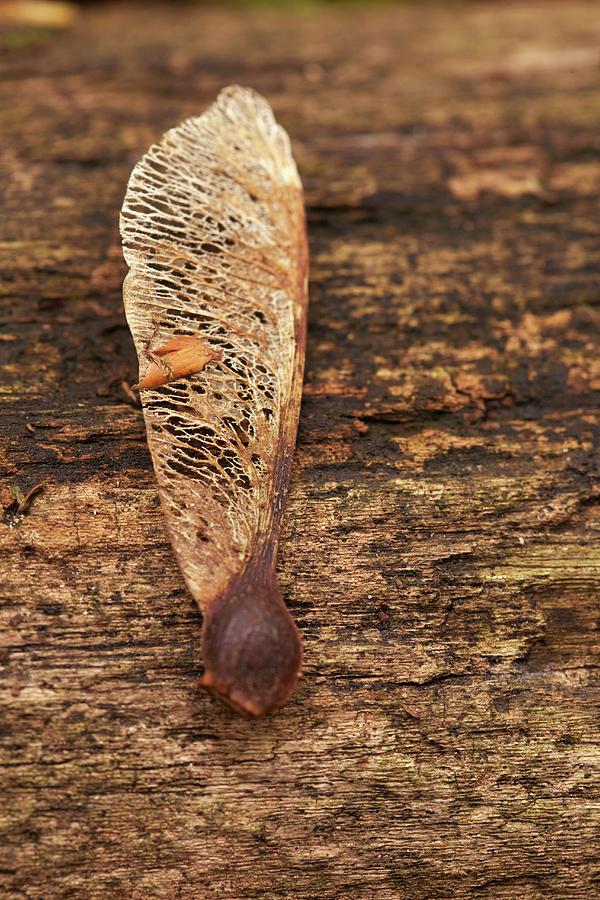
[214, 235]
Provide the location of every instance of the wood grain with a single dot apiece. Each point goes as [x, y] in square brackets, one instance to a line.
[441, 548]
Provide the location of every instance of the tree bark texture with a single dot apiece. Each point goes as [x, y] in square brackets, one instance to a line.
[441, 548]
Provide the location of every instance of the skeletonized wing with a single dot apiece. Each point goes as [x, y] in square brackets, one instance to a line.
[213, 233]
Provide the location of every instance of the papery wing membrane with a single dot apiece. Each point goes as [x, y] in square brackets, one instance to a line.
[213, 233]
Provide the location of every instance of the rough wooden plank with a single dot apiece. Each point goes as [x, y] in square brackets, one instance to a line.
[441, 550]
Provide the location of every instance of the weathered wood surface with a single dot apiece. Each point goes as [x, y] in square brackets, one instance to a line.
[442, 544]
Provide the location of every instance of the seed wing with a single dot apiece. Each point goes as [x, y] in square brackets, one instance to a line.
[213, 233]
